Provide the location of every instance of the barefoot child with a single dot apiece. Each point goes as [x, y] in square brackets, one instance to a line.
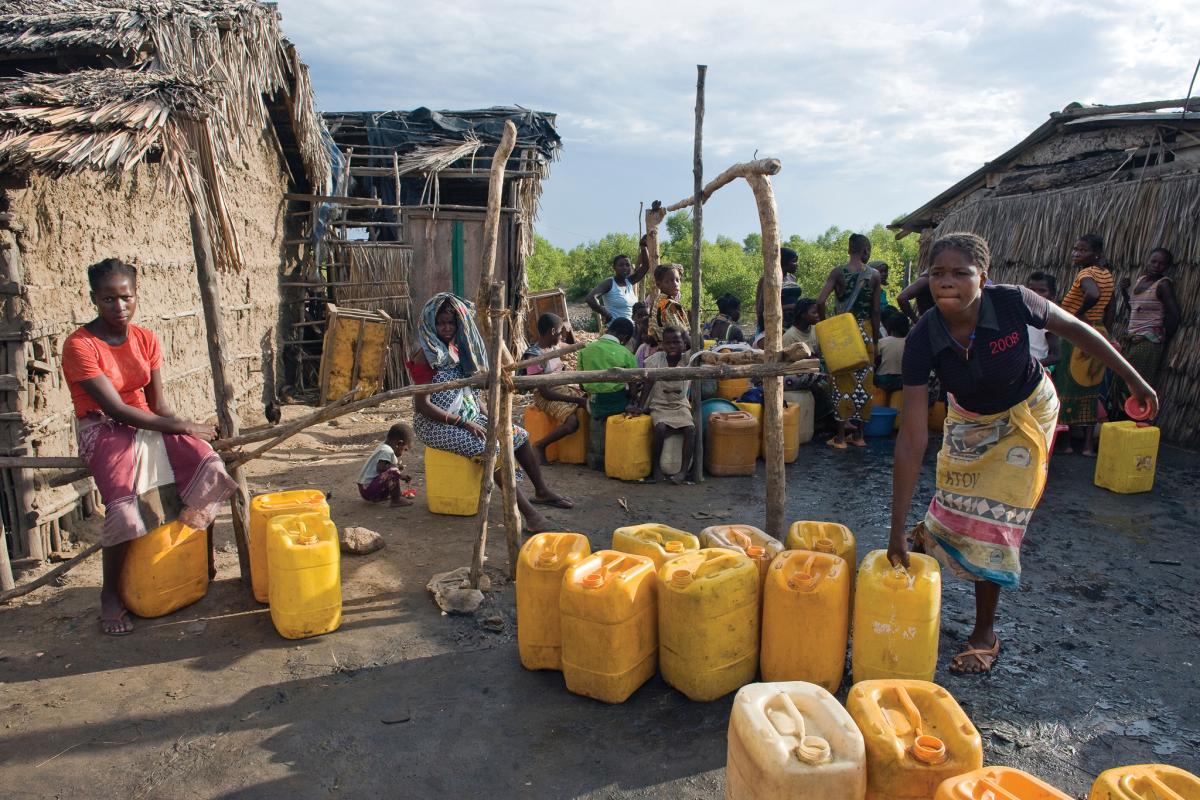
[557, 402]
[606, 398]
[667, 404]
[383, 474]
[668, 311]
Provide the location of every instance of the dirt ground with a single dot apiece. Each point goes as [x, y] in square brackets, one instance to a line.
[1099, 667]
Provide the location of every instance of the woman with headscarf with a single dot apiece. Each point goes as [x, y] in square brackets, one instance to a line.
[453, 420]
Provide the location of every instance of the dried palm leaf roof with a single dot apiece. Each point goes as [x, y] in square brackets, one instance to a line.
[191, 87]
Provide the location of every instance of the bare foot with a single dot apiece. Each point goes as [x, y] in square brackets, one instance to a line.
[551, 499]
[1087, 453]
[400, 502]
[679, 478]
[536, 523]
[114, 617]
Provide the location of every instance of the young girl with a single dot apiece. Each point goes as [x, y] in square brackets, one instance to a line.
[619, 292]
[801, 330]
[668, 311]
[1153, 319]
[891, 355]
[1043, 345]
[667, 404]
[999, 426]
[558, 402]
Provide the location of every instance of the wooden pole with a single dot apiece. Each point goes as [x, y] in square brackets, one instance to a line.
[210, 298]
[6, 574]
[764, 197]
[42, 580]
[558, 352]
[491, 222]
[495, 341]
[513, 524]
[697, 284]
[763, 166]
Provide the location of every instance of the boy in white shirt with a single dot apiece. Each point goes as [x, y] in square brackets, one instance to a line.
[383, 474]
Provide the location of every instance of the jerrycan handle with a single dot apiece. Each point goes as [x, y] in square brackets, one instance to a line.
[811, 749]
[925, 748]
[715, 564]
[740, 537]
[898, 578]
[804, 578]
[994, 791]
[599, 577]
[1130, 784]
[303, 535]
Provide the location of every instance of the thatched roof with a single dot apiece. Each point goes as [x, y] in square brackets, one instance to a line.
[189, 85]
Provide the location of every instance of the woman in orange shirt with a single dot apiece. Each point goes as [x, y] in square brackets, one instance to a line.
[151, 467]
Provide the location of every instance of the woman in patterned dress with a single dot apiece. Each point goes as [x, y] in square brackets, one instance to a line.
[453, 420]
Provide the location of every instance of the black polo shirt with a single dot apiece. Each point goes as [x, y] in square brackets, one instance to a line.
[999, 372]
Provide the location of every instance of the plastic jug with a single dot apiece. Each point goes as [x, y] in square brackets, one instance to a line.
[628, 443]
[997, 783]
[263, 508]
[609, 625]
[573, 449]
[539, 425]
[757, 545]
[842, 345]
[806, 619]
[937, 417]
[544, 560]
[165, 570]
[755, 410]
[916, 737]
[896, 401]
[657, 542]
[791, 433]
[708, 622]
[897, 615]
[304, 560]
[808, 413]
[824, 537]
[451, 483]
[1127, 458]
[733, 388]
[731, 443]
[792, 741]
[1146, 782]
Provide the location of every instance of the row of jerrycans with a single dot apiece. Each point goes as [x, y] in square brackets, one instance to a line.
[697, 603]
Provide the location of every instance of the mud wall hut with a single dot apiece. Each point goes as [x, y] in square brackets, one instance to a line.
[120, 122]
[1130, 173]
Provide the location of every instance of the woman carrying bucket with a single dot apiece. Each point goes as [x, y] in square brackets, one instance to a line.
[1002, 411]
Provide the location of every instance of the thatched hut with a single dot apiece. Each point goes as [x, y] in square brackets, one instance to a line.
[1130, 173]
[122, 124]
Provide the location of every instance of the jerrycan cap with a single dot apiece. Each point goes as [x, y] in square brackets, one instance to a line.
[897, 578]
[756, 551]
[681, 578]
[804, 578]
[594, 580]
[547, 558]
[928, 749]
[823, 545]
[673, 547]
[304, 535]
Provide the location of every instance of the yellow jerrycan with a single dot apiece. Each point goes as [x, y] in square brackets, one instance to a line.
[755, 410]
[916, 736]
[628, 443]
[792, 740]
[733, 388]
[1146, 782]
[165, 570]
[609, 626]
[538, 425]
[1127, 458]
[842, 345]
[824, 537]
[304, 559]
[573, 449]
[708, 622]
[655, 541]
[896, 401]
[791, 433]
[897, 616]
[451, 483]
[731, 443]
[807, 408]
[806, 619]
[997, 783]
[756, 544]
[264, 507]
[544, 560]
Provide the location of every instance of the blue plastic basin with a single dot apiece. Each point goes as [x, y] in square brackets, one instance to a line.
[882, 420]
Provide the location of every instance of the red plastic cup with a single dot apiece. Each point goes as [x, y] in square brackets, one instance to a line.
[1137, 410]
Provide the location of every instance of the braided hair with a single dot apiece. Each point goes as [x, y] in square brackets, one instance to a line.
[973, 247]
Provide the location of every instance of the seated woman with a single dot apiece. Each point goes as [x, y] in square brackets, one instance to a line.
[452, 420]
[112, 371]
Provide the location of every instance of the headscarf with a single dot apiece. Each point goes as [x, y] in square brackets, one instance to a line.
[471, 355]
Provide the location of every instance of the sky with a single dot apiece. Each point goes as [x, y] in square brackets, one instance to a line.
[872, 107]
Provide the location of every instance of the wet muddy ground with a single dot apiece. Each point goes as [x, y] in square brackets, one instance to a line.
[1099, 668]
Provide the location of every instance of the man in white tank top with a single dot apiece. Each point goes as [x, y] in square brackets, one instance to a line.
[619, 292]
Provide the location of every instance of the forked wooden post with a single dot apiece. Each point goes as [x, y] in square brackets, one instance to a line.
[495, 307]
[513, 524]
[697, 284]
[491, 222]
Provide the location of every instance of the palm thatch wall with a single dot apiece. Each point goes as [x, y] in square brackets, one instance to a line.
[1036, 231]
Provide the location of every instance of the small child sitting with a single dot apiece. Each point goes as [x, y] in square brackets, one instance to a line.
[383, 474]
[891, 355]
[668, 406]
[558, 402]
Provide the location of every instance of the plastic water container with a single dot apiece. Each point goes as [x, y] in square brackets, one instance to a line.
[573, 449]
[757, 545]
[883, 420]
[1128, 457]
[165, 570]
[806, 619]
[896, 401]
[997, 783]
[808, 413]
[731, 443]
[539, 425]
[304, 558]
[916, 737]
[711, 406]
[451, 483]
[609, 625]
[733, 388]
[792, 741]
[842, 344]
[824, 537]
[628, 444]
[791, 432]
[937, 417]
[544, 560]
[755, 410]
[897, 616]
[265, 507]
[1146, 782]
[657, 542]
[708, 622]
